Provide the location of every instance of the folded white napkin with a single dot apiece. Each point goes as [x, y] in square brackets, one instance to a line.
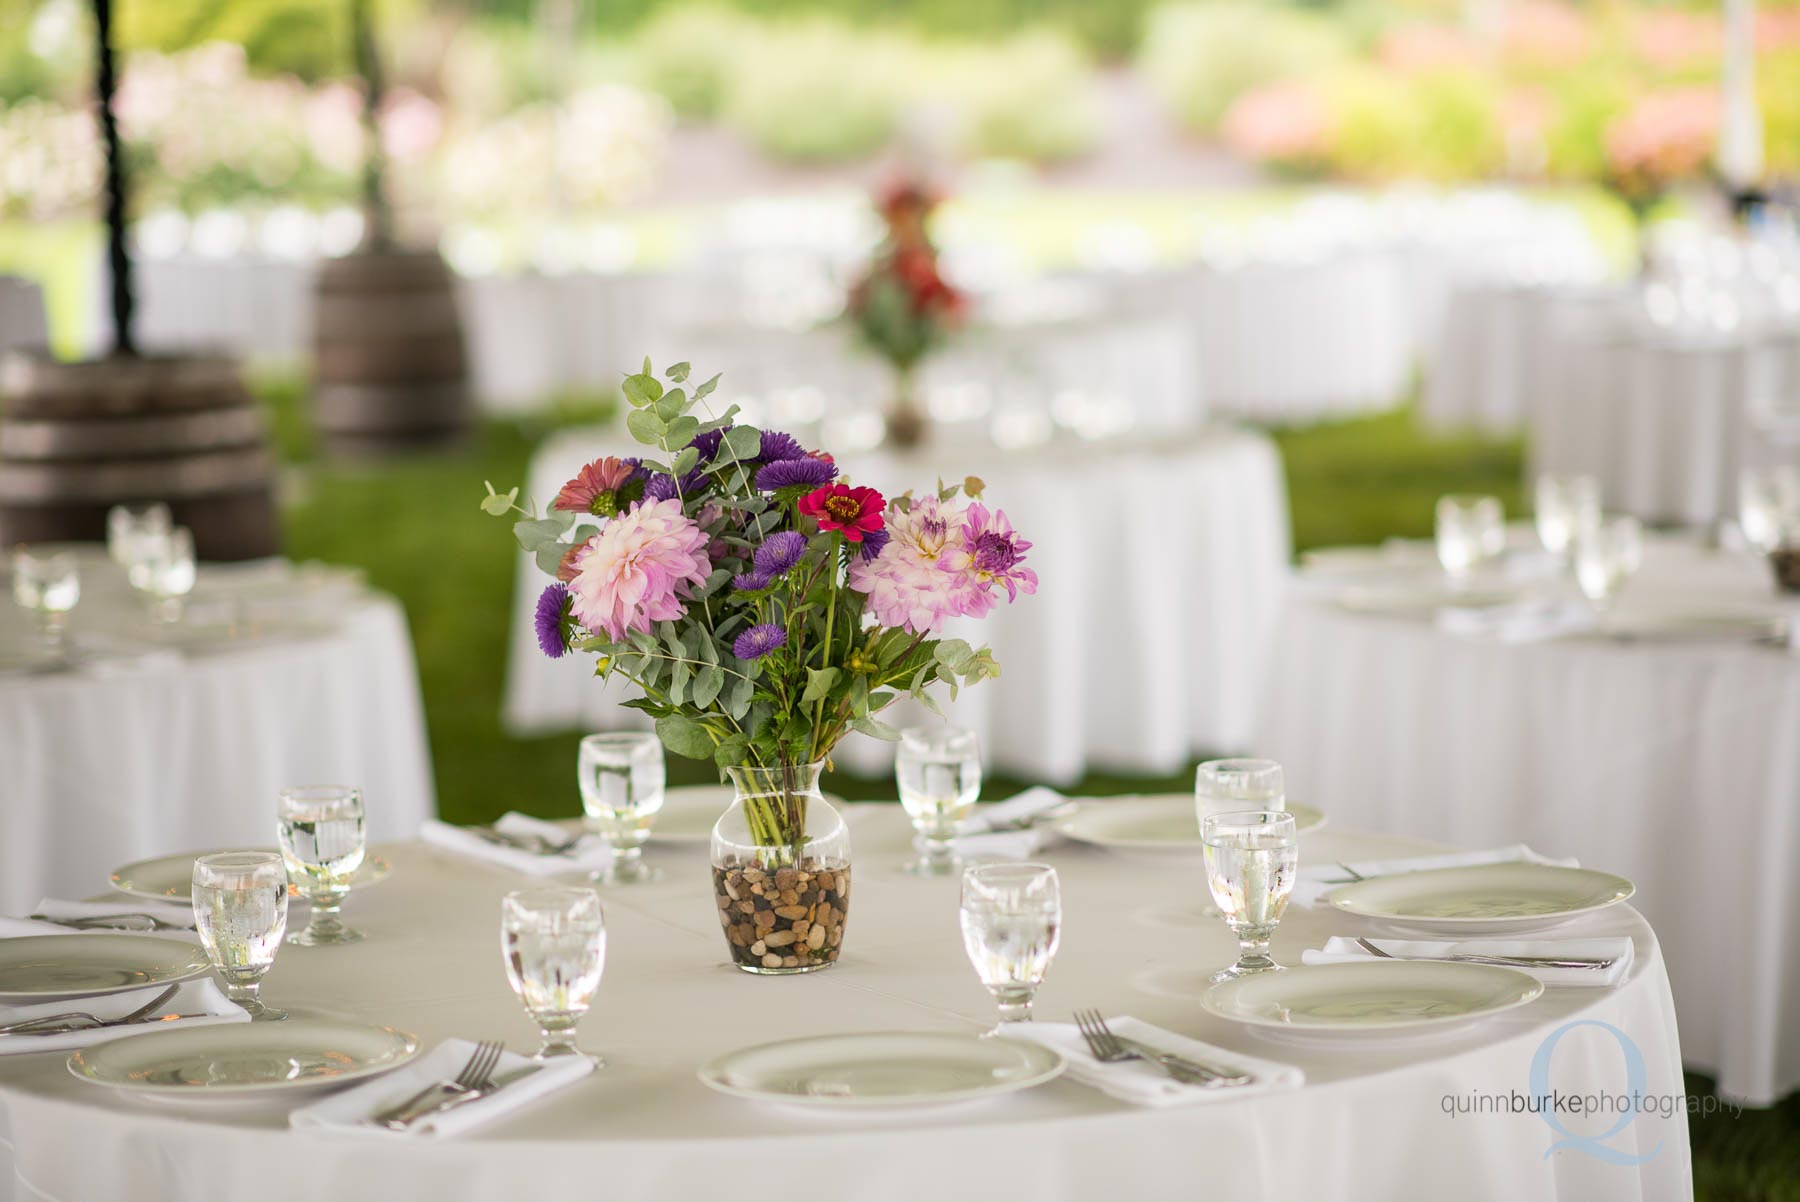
[979, 840]
[590, 854]
[1618, 948]
[179, 913]
[199, 997]
[1317, 880]
[1144, 1084]
[1529, 622]
[349, 1110]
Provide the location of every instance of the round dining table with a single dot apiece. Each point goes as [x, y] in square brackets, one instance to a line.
[1185, 575]
[1659, 744]
[1376, 1118]
[166, 734]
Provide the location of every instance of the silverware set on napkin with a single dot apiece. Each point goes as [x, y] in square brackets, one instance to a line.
[536, 845]
[81, 1020]
[1109, 1048]
[474, 1082]
[1502, 961]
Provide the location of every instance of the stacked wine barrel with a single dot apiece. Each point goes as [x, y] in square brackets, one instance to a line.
[79, 438]
[390, 373]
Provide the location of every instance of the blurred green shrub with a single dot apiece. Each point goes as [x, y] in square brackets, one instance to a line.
[1031, 97]
[687, 54]
[1201, 57]
[816, 91]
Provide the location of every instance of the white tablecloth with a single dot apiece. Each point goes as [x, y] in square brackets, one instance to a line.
[1666, 424]
[1370, 1122]
[1179, 551]
[22, 321]
[128, 758]
[1675, 764]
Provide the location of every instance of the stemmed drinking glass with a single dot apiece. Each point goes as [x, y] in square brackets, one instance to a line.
[240, 911]
[49, 586]
[1607, 552]
[1236, 784]
[322, 841]
[554, 944]
[1563, 505]
[1011, 926]
[1471, 530]
[622, 786]
[1251, 858]
[129, 527]
[165, 569]
[938, 769]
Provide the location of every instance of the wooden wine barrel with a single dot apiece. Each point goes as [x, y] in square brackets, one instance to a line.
[390, 372]
[78, 438]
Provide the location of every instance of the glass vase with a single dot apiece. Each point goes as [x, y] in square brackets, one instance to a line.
[904, 420]
[781, 870]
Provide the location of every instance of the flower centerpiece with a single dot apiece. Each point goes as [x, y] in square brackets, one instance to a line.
[901, 305]
[764, 608]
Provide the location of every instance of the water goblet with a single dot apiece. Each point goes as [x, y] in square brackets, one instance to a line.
[1470, 531]
[322, 842]
[169, 571]
[128, 525]
[554, 943]
[240, 911]
[1768, 502]
[1011, 928]
[622, 783]
[49, 585]
[1563, 504]
[1607, 552]
[1251, 858]
[938, 770]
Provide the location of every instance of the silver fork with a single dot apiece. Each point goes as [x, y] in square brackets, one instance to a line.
[476, 1075]
[1110, 1049]
[536, 845]
[115, 922]
[1503, 961]
[81, 1020]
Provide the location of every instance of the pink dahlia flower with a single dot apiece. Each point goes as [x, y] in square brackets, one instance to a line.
[906, 586]
[639, 569]
[987, 553]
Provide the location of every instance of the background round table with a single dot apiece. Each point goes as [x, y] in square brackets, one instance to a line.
[22, 318]
[184, 738]
[1673, 763]
[1161, 567]
[1370, 1122]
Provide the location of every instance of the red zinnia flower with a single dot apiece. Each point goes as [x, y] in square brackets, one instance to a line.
[855, 511]
[596, 488]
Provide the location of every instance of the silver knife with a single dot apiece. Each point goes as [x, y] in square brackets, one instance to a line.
[407, 1122]
[1209, 1074]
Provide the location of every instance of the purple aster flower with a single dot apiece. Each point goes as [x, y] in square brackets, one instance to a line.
[758, 641]
[777, 446]
[873, 541]
[749, 582]
[795, 473]
[779, 552]
[660, 487]
[552, 621]
[708, 443]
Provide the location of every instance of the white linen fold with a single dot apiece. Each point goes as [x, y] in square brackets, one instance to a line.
[1341, 949]
[179, 913]
[1143, 1084]
[979, 840]
[350, 1109]
[590, 853]
[200, 998]
[1526, 622]
[1317, 880]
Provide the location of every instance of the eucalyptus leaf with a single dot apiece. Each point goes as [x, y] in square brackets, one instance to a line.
[742, 442]
[685, 459]
[705, 390]
[497, 503]
[681, 430]
[875, 728]
[645, 426]
[533, 533]
[678, 372]
[684, 736]
[738, 695]
[706, 688]
[549, 557]
[819, 682]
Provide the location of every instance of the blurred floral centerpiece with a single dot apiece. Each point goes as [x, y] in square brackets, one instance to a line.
[901, 305]
[764, 608]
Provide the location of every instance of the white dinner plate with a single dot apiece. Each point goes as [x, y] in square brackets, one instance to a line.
[171, 878]
[1423, 600]
[37, 968]
[1371, 999]
[1483, 898]
[1697, 626]
[239, 1061]
[1159, 822]
[881, 1069]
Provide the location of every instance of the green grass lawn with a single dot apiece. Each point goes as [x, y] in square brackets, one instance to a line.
[414, 527]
